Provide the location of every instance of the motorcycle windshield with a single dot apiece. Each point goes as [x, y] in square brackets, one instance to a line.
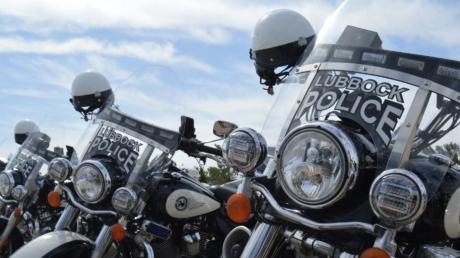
[135, 146]
[33, 148]
[387, 67]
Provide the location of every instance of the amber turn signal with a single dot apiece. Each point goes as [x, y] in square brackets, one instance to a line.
[118, 232]
[54, 199]
[374, 253]
[238, 208]
[17, 212]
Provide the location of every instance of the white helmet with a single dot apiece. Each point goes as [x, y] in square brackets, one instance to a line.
[90, 91]
[23, 128]
[279, 39]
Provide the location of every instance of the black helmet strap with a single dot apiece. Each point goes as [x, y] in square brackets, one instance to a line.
[269, 77]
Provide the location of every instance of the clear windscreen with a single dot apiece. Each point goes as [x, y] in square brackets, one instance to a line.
[32, 150]
[371, 59]
[134, 146]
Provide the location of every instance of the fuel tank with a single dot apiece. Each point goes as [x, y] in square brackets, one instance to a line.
[179, 196]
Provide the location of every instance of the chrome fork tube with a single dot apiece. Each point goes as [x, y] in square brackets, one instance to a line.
[67, 217]
[103, 240]
[262, 241]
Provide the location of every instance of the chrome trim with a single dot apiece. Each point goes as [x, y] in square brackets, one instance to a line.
[6, 201]
[104, 238]
[132, 194]
[298, 219]
[421, 205]
[260, 145]
[391, 74]
[387, 242]
[148, 250]
[67, 166]
[347, 149]
[105, 175]
[404, 139]
[84, 208]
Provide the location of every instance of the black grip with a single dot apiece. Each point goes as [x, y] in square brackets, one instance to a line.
[209, 150]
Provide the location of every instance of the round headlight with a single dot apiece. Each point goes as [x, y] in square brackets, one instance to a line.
[244, 149]
[92, 181]
[124, 200]
[6, 183]
[59, 169]
[19, 192]
[318, 163]
[398, 197]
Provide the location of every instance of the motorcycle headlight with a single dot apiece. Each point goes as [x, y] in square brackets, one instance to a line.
[19, 192]
[124, 200]
[6, 183]
[59, 169]
[244, 149]
[318, 163]
[92, 181]
[398, 197]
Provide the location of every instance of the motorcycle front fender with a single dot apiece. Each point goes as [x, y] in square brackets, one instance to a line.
[57, 244]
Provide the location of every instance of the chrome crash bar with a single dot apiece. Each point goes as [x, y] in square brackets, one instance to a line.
[84, 208]
[5, 201]
[295, 218]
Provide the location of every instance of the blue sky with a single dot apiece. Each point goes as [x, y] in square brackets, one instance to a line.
[167, 58]
[163, 58]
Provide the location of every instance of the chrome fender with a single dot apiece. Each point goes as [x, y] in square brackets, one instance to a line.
[47, 244]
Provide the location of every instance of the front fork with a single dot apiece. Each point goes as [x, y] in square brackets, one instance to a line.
[12, 222]
[68, 216]
[262, 241]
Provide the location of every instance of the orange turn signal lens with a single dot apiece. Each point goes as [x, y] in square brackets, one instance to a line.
[17, 212]
[374, 253]
[54, 199]
[238, 208]
[118, 232]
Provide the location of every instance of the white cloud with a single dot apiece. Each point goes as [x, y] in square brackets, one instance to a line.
[152, 52]
[26, 92]
[205, 20]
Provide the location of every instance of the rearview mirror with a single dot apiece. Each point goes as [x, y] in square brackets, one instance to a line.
[223, 128]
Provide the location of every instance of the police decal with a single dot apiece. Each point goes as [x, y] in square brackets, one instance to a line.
[122, 148]
[372, 104]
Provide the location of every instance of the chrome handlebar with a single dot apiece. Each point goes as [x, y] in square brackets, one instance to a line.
[297, 219]
[5, 201]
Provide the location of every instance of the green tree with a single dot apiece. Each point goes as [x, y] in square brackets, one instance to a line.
[451, 150]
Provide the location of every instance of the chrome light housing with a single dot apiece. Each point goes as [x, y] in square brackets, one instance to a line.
[244, 149]
[59, 169]
[318, 163]
[124, 200]
[398, 197]
[6, 183]
[92, 181]
[19, 192]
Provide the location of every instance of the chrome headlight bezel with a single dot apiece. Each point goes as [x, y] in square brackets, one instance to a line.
[419, 207]
[128, 192]
[348, 153]
[10, 185]
[106, 180]
[19, 192]
[259, 148]
[59, 169]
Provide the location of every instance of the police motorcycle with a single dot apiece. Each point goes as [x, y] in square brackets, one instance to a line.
[23, 189]
[124, 179]
[361, 166]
